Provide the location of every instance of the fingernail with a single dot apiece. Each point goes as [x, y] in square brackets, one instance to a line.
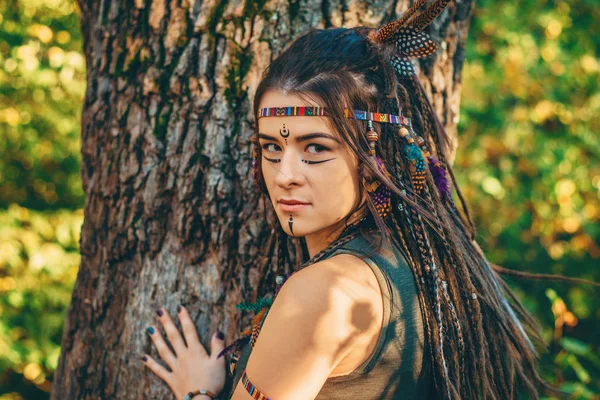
[159, 312]
[144, 358]
[150, 330]
[178, 309]
[220, 335]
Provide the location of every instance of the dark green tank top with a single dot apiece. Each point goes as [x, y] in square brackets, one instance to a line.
[400, 366]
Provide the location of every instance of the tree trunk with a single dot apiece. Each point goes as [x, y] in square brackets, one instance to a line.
[169, 214]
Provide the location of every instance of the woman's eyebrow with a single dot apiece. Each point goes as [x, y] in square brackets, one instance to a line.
[302, 138]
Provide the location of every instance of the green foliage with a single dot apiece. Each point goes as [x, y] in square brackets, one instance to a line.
[39, 260]
[529, 165]
[42, 82]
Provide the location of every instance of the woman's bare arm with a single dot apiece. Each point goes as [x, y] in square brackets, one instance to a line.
[309, 329]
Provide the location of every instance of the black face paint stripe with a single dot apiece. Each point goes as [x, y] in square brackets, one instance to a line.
[304, 161]
[317, 162]
[290, 223]
[272, 159]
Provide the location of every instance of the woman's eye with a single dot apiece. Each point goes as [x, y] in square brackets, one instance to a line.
[265, 146]
[318, 146]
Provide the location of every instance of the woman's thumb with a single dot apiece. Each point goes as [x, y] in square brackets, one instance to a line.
[217, 343]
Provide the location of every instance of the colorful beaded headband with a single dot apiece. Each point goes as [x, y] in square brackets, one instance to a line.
[301, 111]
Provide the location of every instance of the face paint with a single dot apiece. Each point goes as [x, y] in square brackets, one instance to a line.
[290, 223]
[317, 162]
[273, 160]
[285, 133]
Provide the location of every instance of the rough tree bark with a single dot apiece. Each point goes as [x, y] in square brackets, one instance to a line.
[166, 158]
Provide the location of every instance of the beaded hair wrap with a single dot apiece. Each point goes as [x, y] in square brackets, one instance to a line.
[380, 193]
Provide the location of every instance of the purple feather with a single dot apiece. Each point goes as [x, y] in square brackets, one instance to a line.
[237, 344]
[440, 178]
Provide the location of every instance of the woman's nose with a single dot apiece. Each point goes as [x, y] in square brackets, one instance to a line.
[289, 169]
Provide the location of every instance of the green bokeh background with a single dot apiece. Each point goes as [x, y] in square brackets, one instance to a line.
[528, 165]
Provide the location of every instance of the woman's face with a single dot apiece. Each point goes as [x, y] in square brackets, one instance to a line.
[305, 160]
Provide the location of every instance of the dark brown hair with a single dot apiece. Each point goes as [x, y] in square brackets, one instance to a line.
[480, 334]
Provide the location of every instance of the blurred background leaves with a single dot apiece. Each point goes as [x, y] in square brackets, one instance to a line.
[42, 83]
[528, 165]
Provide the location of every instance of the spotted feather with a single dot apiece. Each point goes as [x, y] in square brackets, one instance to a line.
[403, 65]
[413, 44]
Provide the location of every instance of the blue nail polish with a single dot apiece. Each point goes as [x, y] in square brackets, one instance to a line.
[150, 330]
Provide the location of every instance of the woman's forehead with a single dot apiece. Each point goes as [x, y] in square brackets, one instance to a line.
[295, 124]
[277, 98]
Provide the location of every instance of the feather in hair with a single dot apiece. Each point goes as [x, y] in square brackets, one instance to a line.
[425, 18]
[388, 30]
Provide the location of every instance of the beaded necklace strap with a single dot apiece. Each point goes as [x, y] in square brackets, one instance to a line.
[301, 111]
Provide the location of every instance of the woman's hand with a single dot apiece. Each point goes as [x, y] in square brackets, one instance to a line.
[191, 367]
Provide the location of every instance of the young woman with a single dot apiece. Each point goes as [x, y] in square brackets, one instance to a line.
[393, 298]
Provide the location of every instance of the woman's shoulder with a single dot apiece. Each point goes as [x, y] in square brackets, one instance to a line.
[348, 278]
[315, 299]
[357, 297]
[341, 282]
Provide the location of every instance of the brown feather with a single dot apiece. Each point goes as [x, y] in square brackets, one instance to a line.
[391, 28]
[422, 20]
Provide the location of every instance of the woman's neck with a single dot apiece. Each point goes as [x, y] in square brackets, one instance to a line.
[317, 241]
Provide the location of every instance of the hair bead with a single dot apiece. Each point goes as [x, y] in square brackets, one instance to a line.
[372, 137]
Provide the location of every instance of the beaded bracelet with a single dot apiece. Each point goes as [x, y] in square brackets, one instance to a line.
[198, 392]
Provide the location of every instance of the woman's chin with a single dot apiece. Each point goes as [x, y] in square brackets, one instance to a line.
[292, 228]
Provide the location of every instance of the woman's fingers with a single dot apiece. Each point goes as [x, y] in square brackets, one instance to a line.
[217, 344]
[158, 369]
[171, 330]
[163, 350]
[189, 331]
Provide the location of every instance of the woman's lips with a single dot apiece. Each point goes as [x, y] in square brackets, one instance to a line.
[292, 207]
